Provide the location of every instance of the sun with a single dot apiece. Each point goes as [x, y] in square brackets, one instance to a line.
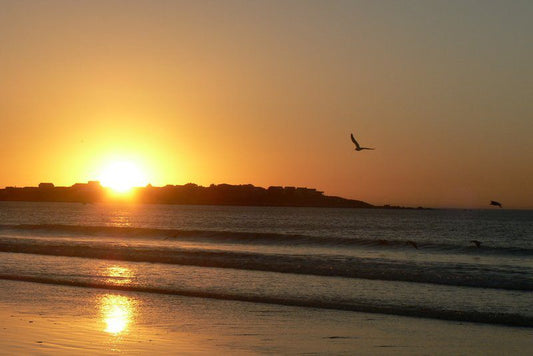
[122, 176]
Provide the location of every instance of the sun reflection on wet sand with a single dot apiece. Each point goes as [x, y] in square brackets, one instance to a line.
[117, 313]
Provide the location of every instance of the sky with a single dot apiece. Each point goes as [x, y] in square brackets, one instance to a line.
[268, 92]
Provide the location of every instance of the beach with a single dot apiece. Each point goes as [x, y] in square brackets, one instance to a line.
[266, 177]
[48, 319]
[167, 279]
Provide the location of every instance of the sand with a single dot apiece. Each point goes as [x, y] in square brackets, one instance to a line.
[48, 319]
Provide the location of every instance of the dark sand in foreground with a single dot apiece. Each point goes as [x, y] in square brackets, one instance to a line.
[48, 319]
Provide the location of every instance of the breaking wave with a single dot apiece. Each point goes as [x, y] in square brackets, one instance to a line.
[258, 238]
[510, 319]
[457, 274]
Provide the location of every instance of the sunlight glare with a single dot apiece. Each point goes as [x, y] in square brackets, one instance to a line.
[118, 275]
[122, 176]
[117, 312]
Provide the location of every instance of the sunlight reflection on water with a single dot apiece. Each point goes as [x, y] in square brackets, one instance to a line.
[117, 313]
[118, 275]
[120, 220]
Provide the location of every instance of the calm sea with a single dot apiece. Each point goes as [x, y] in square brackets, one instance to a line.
[418, 263]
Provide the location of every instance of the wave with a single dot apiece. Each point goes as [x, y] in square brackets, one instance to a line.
[457, 274]
[510, 319]
[261, 238]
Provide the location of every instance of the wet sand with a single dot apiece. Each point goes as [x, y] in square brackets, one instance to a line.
[49, 319]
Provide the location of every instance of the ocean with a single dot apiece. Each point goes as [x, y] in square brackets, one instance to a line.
[418, 263]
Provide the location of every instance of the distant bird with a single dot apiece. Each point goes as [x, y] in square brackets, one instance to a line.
[495, 203]
[357, 146]
[478, 243]
[412, 243]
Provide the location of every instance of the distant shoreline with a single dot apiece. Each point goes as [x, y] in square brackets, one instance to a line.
[188, 194]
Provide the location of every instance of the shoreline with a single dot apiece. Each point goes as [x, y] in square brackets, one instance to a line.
[53, 319]
[507, 320]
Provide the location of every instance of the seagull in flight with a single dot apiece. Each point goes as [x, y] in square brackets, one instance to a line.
[477, 243]
[495, 203]
[412, 243]
[357, 146]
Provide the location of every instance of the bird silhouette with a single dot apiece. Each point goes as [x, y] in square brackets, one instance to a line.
[357, 146]
[412, 243]
[476, 242]
[495, 203]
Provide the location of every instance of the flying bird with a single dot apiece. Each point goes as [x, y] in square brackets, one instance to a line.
[495, 203]
[357, 146]
[412, 243]
[476, 242]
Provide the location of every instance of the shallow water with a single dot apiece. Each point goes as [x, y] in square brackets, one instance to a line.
[347, 259]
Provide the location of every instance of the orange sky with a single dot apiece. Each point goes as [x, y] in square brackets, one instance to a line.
[267, 92]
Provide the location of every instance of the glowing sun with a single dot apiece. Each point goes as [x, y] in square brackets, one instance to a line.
[121, 176]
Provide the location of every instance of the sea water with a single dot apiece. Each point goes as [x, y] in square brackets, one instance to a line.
[419, 263]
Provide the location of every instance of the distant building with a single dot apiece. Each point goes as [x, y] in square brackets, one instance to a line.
[276, 189]
[308, 191]
[92, 184]
[46, 185]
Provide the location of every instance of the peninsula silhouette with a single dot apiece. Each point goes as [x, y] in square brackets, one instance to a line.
[193, 194]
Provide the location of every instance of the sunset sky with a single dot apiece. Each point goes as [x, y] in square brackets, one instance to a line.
[268, 92]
